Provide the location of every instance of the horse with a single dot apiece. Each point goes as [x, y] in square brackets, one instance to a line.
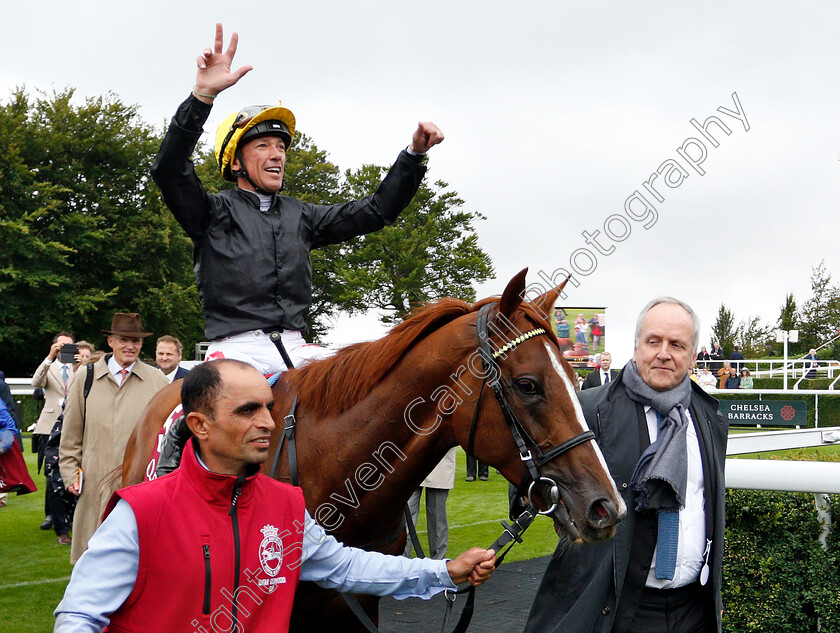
[376, 417]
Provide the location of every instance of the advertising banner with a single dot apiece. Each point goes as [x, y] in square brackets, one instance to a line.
[765, 412]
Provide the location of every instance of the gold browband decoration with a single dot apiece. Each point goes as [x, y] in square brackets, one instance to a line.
[519, 339]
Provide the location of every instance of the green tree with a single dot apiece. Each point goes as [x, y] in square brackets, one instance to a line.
[753, 337]
[724, 330]
[821, 312]
[788, 314]
[788, 320]
[93, 237]
[430, 251]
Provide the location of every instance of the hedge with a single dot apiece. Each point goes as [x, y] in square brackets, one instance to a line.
[777, 577]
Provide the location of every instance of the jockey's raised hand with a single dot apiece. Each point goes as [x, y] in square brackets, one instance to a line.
[426, 136]
[214, 72]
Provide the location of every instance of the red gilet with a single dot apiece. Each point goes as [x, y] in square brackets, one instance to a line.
[200, 538]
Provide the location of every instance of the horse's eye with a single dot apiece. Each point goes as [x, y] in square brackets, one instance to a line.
[527, 386]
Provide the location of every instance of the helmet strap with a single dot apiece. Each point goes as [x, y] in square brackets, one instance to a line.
[243, 173]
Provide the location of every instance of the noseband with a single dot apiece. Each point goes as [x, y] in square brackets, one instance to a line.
[533, 458]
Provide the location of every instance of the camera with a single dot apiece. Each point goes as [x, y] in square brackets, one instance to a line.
[67, 353]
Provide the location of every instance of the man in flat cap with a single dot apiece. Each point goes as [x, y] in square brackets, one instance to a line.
[97, 424]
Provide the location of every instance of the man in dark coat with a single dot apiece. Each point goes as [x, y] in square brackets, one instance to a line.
[736, 356]
[602, 375]
[662, 570]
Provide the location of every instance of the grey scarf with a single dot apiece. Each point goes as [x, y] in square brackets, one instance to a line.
[662, 471]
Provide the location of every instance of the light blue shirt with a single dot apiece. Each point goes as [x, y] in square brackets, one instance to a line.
[104, 576]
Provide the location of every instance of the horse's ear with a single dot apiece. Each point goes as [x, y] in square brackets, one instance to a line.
[545, 302]
[512, 296]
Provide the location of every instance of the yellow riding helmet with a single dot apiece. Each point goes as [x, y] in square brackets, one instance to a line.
[248, 123]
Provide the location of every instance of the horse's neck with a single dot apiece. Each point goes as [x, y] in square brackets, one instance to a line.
[374, 455]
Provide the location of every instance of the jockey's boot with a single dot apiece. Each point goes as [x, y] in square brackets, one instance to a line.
[172, 446]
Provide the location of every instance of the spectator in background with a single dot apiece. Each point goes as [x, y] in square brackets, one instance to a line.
[707, 380]
[693, 375]
[53, 376]
[168, 356]
[811, 363]
[703, 357]
[746, 379]
[437, 486]
[736, 355]
[716, 355]
[473, 466]
[96, 430]
[13, 473]
[602, 375]
[9, 402]
[723, 374]
[86, 350]
[732, 380]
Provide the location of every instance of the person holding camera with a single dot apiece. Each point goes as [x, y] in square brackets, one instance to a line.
[53, 376]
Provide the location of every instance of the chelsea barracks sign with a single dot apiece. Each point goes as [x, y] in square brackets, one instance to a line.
[765, 412]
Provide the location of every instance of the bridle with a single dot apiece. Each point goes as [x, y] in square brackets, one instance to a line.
[533, 458]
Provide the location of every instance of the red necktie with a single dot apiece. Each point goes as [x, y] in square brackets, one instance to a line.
[124, 373]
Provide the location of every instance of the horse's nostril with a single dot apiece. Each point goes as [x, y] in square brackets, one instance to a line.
[602, 513]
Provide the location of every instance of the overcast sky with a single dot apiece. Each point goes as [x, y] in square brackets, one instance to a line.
[555, 113]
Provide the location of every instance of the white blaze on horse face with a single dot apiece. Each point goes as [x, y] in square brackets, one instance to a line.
[564, 377]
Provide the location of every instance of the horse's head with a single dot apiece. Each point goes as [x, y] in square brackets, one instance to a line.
[529, 407]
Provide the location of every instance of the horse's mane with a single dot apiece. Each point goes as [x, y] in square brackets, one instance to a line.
[335, 384]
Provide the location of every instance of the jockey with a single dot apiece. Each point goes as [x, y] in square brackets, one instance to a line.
[252, 244]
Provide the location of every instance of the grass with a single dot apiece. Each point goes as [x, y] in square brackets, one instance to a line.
[34, 568]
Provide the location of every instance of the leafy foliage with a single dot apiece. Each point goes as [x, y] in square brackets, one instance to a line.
[821, 312]
[753, 336]
[430, 251]
[723, 330]
[776, 575]
[84, 232]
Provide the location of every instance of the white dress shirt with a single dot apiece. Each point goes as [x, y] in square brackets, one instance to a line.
[691, 549]
[115, 368]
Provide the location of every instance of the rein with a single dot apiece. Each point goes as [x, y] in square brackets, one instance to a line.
[533, 458]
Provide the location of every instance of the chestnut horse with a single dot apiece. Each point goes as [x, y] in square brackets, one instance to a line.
[375, 418]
